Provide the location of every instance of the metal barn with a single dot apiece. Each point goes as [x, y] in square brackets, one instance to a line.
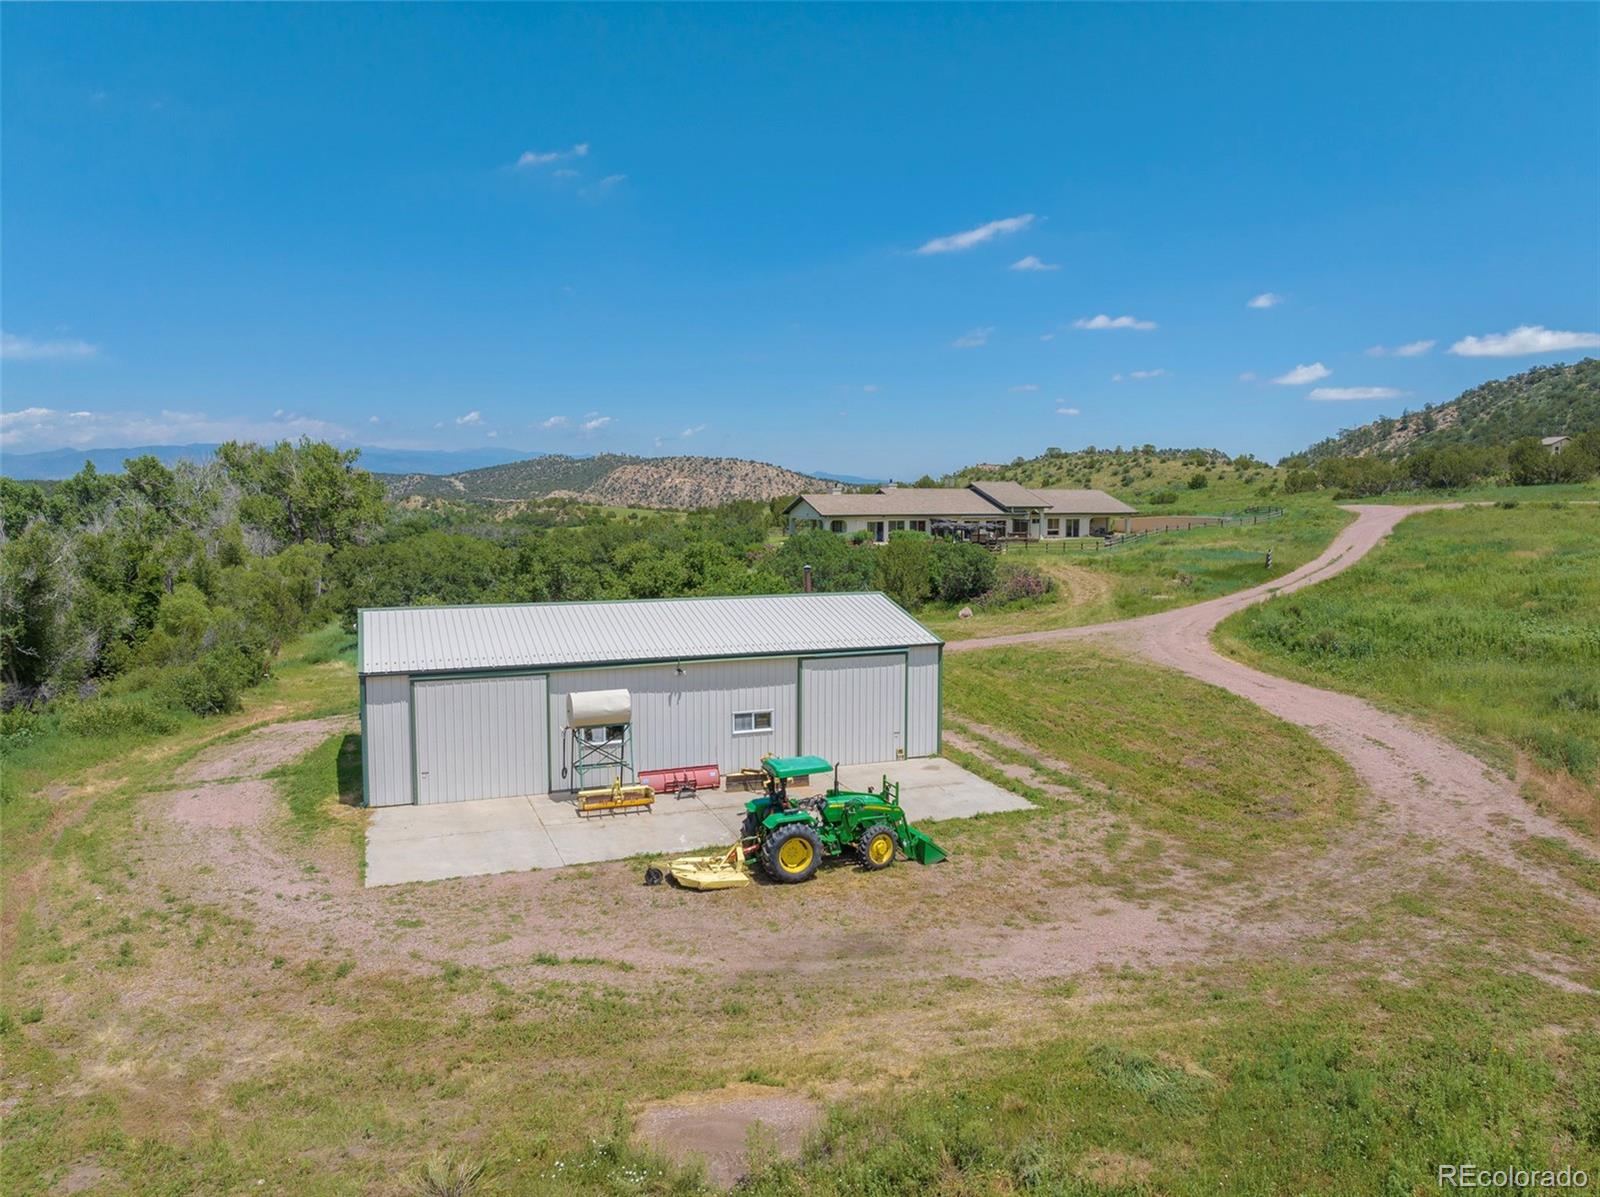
[459, 703]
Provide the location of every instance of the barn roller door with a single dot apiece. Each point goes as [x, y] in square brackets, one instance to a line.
[480, 738]
[853, 709]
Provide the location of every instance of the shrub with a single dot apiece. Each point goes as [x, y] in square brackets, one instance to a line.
[1015, 583]
[961, 570]
[211, 685]
[118, 716]
[1165, 496]
[1198, 481]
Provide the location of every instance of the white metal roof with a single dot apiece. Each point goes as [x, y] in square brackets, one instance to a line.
[536, 635]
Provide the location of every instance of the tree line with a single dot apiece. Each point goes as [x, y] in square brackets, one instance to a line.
[1524, 462]
[178, 585]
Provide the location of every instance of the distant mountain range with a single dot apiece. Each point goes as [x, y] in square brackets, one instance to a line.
[63, 463]
[1544, 401]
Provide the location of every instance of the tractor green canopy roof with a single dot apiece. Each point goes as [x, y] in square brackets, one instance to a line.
[783, 767]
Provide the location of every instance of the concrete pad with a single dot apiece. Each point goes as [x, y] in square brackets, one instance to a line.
[615, 837]
[498, 835]
[467, 854]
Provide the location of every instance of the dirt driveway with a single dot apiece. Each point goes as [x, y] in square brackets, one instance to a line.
[1423, 784]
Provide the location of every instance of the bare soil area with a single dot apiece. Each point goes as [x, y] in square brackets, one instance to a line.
[718, 1127]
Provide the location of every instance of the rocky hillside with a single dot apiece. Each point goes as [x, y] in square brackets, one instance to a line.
[612, 479]
[1545, 401]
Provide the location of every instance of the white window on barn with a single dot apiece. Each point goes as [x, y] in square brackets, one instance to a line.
[751, 723]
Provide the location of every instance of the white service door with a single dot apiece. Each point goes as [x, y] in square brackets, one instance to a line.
[853, 709]
[480, 738]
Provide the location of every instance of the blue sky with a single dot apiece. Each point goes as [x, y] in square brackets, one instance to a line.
[739, 231]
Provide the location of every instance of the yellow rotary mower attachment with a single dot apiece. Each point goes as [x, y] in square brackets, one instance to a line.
[617, 797]
[725, 871]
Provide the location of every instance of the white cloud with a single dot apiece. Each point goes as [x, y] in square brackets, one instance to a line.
[973, 338]
[689, 432]
[1031, 264]
[1410, 349]
[972, 237]
[26, 349]
[532, 158]
[1047, 336]
[493, 434]
[1248, 376]
[44, 428]
[1137, 375]
[1300, 375]
[1524, 339]
[1067, 411]
[1334, 393]
[1104, 321]
[472, 417]
[372, 419]
[1026, 386]
[555, 422]
[594, 423]
[1267, 299]
[871, 388]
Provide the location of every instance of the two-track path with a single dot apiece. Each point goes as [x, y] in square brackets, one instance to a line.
[1423, 784]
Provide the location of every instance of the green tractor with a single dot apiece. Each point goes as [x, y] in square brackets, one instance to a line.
[791, 836]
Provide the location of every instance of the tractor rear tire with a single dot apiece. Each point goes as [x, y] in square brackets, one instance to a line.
[792, 853]
[876, 847]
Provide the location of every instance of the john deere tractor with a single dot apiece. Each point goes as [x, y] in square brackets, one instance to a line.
[791, 836]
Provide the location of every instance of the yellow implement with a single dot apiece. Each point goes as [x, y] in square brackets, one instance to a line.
[617, 797]
[711, 872]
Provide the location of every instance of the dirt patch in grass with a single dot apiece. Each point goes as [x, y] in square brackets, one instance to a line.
[721, 1126]
[224, 805]
[253, 754]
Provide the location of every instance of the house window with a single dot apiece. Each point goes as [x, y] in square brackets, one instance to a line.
[610, 734]
[1053, 525]
[1072, 527]
[919, 525]
[897, 525]
[1019, 527]
[751, 723]
[836, 526]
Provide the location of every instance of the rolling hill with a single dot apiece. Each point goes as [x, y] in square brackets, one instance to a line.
[1544, 401]
[612, 479]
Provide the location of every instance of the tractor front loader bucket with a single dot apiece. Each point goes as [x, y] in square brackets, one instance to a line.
[920, 848]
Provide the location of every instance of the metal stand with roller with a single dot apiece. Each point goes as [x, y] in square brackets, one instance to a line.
[600, 737]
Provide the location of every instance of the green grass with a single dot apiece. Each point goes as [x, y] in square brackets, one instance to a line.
[1163, 571]
[1192, 762]
[1488, 617]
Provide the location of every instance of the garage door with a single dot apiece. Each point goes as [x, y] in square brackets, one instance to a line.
[479, 738]
[853, 709]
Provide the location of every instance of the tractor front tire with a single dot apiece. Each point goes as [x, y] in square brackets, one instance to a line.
[876, 847]
[792, 853]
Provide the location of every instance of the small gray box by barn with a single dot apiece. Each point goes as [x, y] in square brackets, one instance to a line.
[459, 703]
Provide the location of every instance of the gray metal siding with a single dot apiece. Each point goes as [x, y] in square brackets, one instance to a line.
[386, 743]
[853, 709]
[543, 635]
[922, 706]
[479, 737]
[686, 718]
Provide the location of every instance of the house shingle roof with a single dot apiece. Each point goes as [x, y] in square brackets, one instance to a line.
[907, 500]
